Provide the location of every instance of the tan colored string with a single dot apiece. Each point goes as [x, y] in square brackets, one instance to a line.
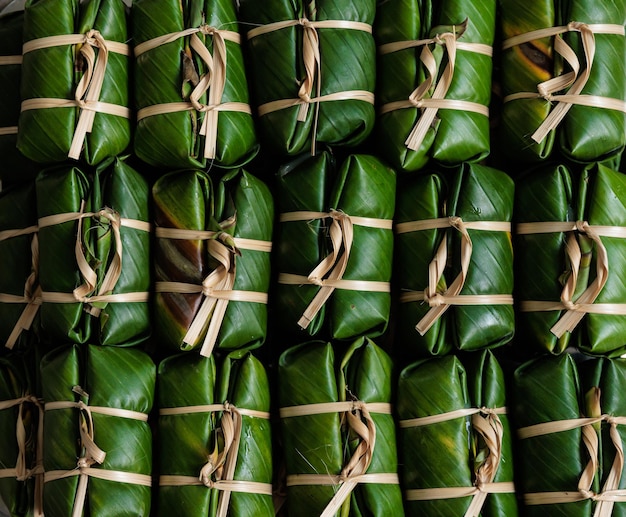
[9, 130]
[21, 472]
[217, 287]
[417, 99]
[440, 302]
[328, 274]
[212, 82]
[359, 420]
[10, 60]
[585, 303]
[91, 454]
[313, 65]
[85, 292]
[610, 492]
[220, 466]
[575, 79]
[32, 290]
[487, 424]
[88, 90]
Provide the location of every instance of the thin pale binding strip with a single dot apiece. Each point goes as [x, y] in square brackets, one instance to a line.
[233, 485]
[10, 60]
[383, 408]
[450, 415]
[9, 130]
[430, 105]
[431, 494]
[205, 235]
[211, 408]
[573, 80]
[9, 234]
[380, 478]
[212, 82]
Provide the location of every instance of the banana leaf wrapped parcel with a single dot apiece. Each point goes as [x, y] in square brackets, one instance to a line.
[300, 53]
[455, 440]
[335, 248]
[563, 79]
[97, 439]
[455, 261]
[212, 258]
[571, 240]
[19, 287]
[15, 167]
[434, 81]
[215, 444]
[21, 435]
[338, 433]
[190, 85]
[94, 260]
[75, 86]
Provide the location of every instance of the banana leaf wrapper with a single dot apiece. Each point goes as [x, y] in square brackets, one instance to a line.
[18, 280]
[279, 70]
[15, 167]
[481, 193]
[69, 190]
[590, 134]
[541, 262]
[54, 73]
[170, 73]
[189, 439]
[301, 185]
[523, 67]
[365, 187]
[322, 443]
[240, 207]
[20, 412]
[436, 455]
[419, 198]
[604, 381]
[454, 135]
[115, 379]
[547, 389]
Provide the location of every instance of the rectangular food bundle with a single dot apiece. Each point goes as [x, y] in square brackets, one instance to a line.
[571, 435]
[94, 254]
[97, 440]
[190, 85]
[434, 80]
[563, 79]
[455, 439]
[212, 260]
[215, 442]
[15, 167]
[75, 81]
[338, 434]
[335, 246]
[572, 254]
[21, 433]
[313, 71]
[454, 261]
[19, 285]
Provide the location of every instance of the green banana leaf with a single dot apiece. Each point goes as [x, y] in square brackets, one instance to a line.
[522, 68]
[541, 264]
[18, 275]
[321, 443]
[240, 207]
[455, 135]
[18, 417]
[452, 453]
[547, 389]
[15, 167]
[187, 441]
[590, 134]
[365, 187]
[607, 378]
[170, 72]
[113, 378]
[125, 192]
[475, 194]
[45, 134]
[301, 185]
[278, 70]
[419, 198]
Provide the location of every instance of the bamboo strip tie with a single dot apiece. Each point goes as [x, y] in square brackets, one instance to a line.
[575, 80]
